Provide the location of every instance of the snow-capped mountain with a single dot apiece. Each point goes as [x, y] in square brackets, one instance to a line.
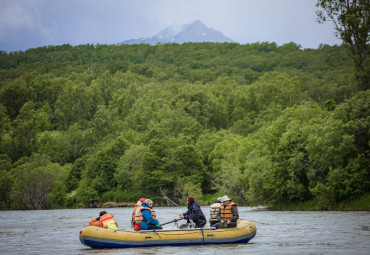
[194, 32]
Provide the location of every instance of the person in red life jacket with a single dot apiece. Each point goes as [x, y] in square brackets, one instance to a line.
[194, 213]
[148, 219]
[136, 225]
[228, 215]
[105, 220]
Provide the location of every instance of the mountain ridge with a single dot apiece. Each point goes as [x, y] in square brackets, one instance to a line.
[194, 32]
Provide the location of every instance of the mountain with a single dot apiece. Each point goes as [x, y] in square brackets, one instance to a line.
[194, 32]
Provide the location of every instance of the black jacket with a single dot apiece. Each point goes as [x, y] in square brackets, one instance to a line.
[194, 212]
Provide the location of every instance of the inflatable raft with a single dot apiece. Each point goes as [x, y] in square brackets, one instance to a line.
[97, 237]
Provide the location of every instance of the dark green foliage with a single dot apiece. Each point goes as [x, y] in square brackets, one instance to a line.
[120, 196]
[259, 122]
[352, 25]
[34, 178]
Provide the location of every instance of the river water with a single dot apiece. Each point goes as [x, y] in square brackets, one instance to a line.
[57, 232]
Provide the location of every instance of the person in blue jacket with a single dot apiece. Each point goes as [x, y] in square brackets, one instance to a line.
[148, 219]
[194, 213]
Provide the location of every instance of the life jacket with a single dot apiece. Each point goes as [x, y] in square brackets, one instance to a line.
[108, 222]
[137, 226]
[141, 217]
[94, 222]
[137, 205]
[215, 209]
[226, 212]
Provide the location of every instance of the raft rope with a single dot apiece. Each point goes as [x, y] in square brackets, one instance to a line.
[156, 233]
[201, 229]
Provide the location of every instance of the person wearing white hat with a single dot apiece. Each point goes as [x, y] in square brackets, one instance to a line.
[228, 215]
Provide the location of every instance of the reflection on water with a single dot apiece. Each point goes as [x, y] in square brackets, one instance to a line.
[56, 232]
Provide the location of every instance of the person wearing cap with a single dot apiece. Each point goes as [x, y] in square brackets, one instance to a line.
[228, 215]
[136, 214]
[105, 220]
[96, 222]
[148, 219]
[214, 211]
[194, 213]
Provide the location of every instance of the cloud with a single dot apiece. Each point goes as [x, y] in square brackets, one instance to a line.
[33, 23]
[16, 16]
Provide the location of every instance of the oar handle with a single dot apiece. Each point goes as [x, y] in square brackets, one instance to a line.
[175, 220]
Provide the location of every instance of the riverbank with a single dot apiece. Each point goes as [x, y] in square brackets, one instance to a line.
[359, 204]
[117, 204]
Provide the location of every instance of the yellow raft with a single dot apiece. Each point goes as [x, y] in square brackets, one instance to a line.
[97, 237]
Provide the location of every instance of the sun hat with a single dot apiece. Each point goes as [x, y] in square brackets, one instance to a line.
[225, 198]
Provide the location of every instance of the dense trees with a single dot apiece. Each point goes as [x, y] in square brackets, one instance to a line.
[352, 23]
[259, 122]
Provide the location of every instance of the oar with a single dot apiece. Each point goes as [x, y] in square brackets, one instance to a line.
[175, 220]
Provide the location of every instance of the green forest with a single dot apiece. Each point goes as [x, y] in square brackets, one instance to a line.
[264, 124]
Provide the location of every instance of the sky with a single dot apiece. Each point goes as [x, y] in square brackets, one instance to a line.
[26, 24]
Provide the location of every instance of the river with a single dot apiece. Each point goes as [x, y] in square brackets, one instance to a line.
[57, 232]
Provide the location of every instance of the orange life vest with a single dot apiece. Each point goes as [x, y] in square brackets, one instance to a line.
[141, 217]
[94, 222]
[134, 217]
[105, 219]
[226, 212]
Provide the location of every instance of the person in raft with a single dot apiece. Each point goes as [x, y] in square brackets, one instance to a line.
[105, 220]
[228, 215]
[147, 219]
[214, 211]
[136, 225]
[194, 213]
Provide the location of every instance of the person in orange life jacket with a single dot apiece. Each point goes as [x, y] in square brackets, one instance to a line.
[194, 213]
[148, 217]
[96, 222]
[134, 224]
[105, 220]
[228, 215]
[214, 211]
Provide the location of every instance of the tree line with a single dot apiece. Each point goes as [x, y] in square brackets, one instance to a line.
[263, 123]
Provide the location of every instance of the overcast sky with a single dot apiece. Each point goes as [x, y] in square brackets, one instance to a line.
[28, 24]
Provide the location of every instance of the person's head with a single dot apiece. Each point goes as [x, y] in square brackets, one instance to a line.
[218, 200]
[148, 202]
[101, 214]
[226, 200]
[190, 200]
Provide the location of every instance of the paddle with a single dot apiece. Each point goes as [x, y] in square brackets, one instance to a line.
[175, 220]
